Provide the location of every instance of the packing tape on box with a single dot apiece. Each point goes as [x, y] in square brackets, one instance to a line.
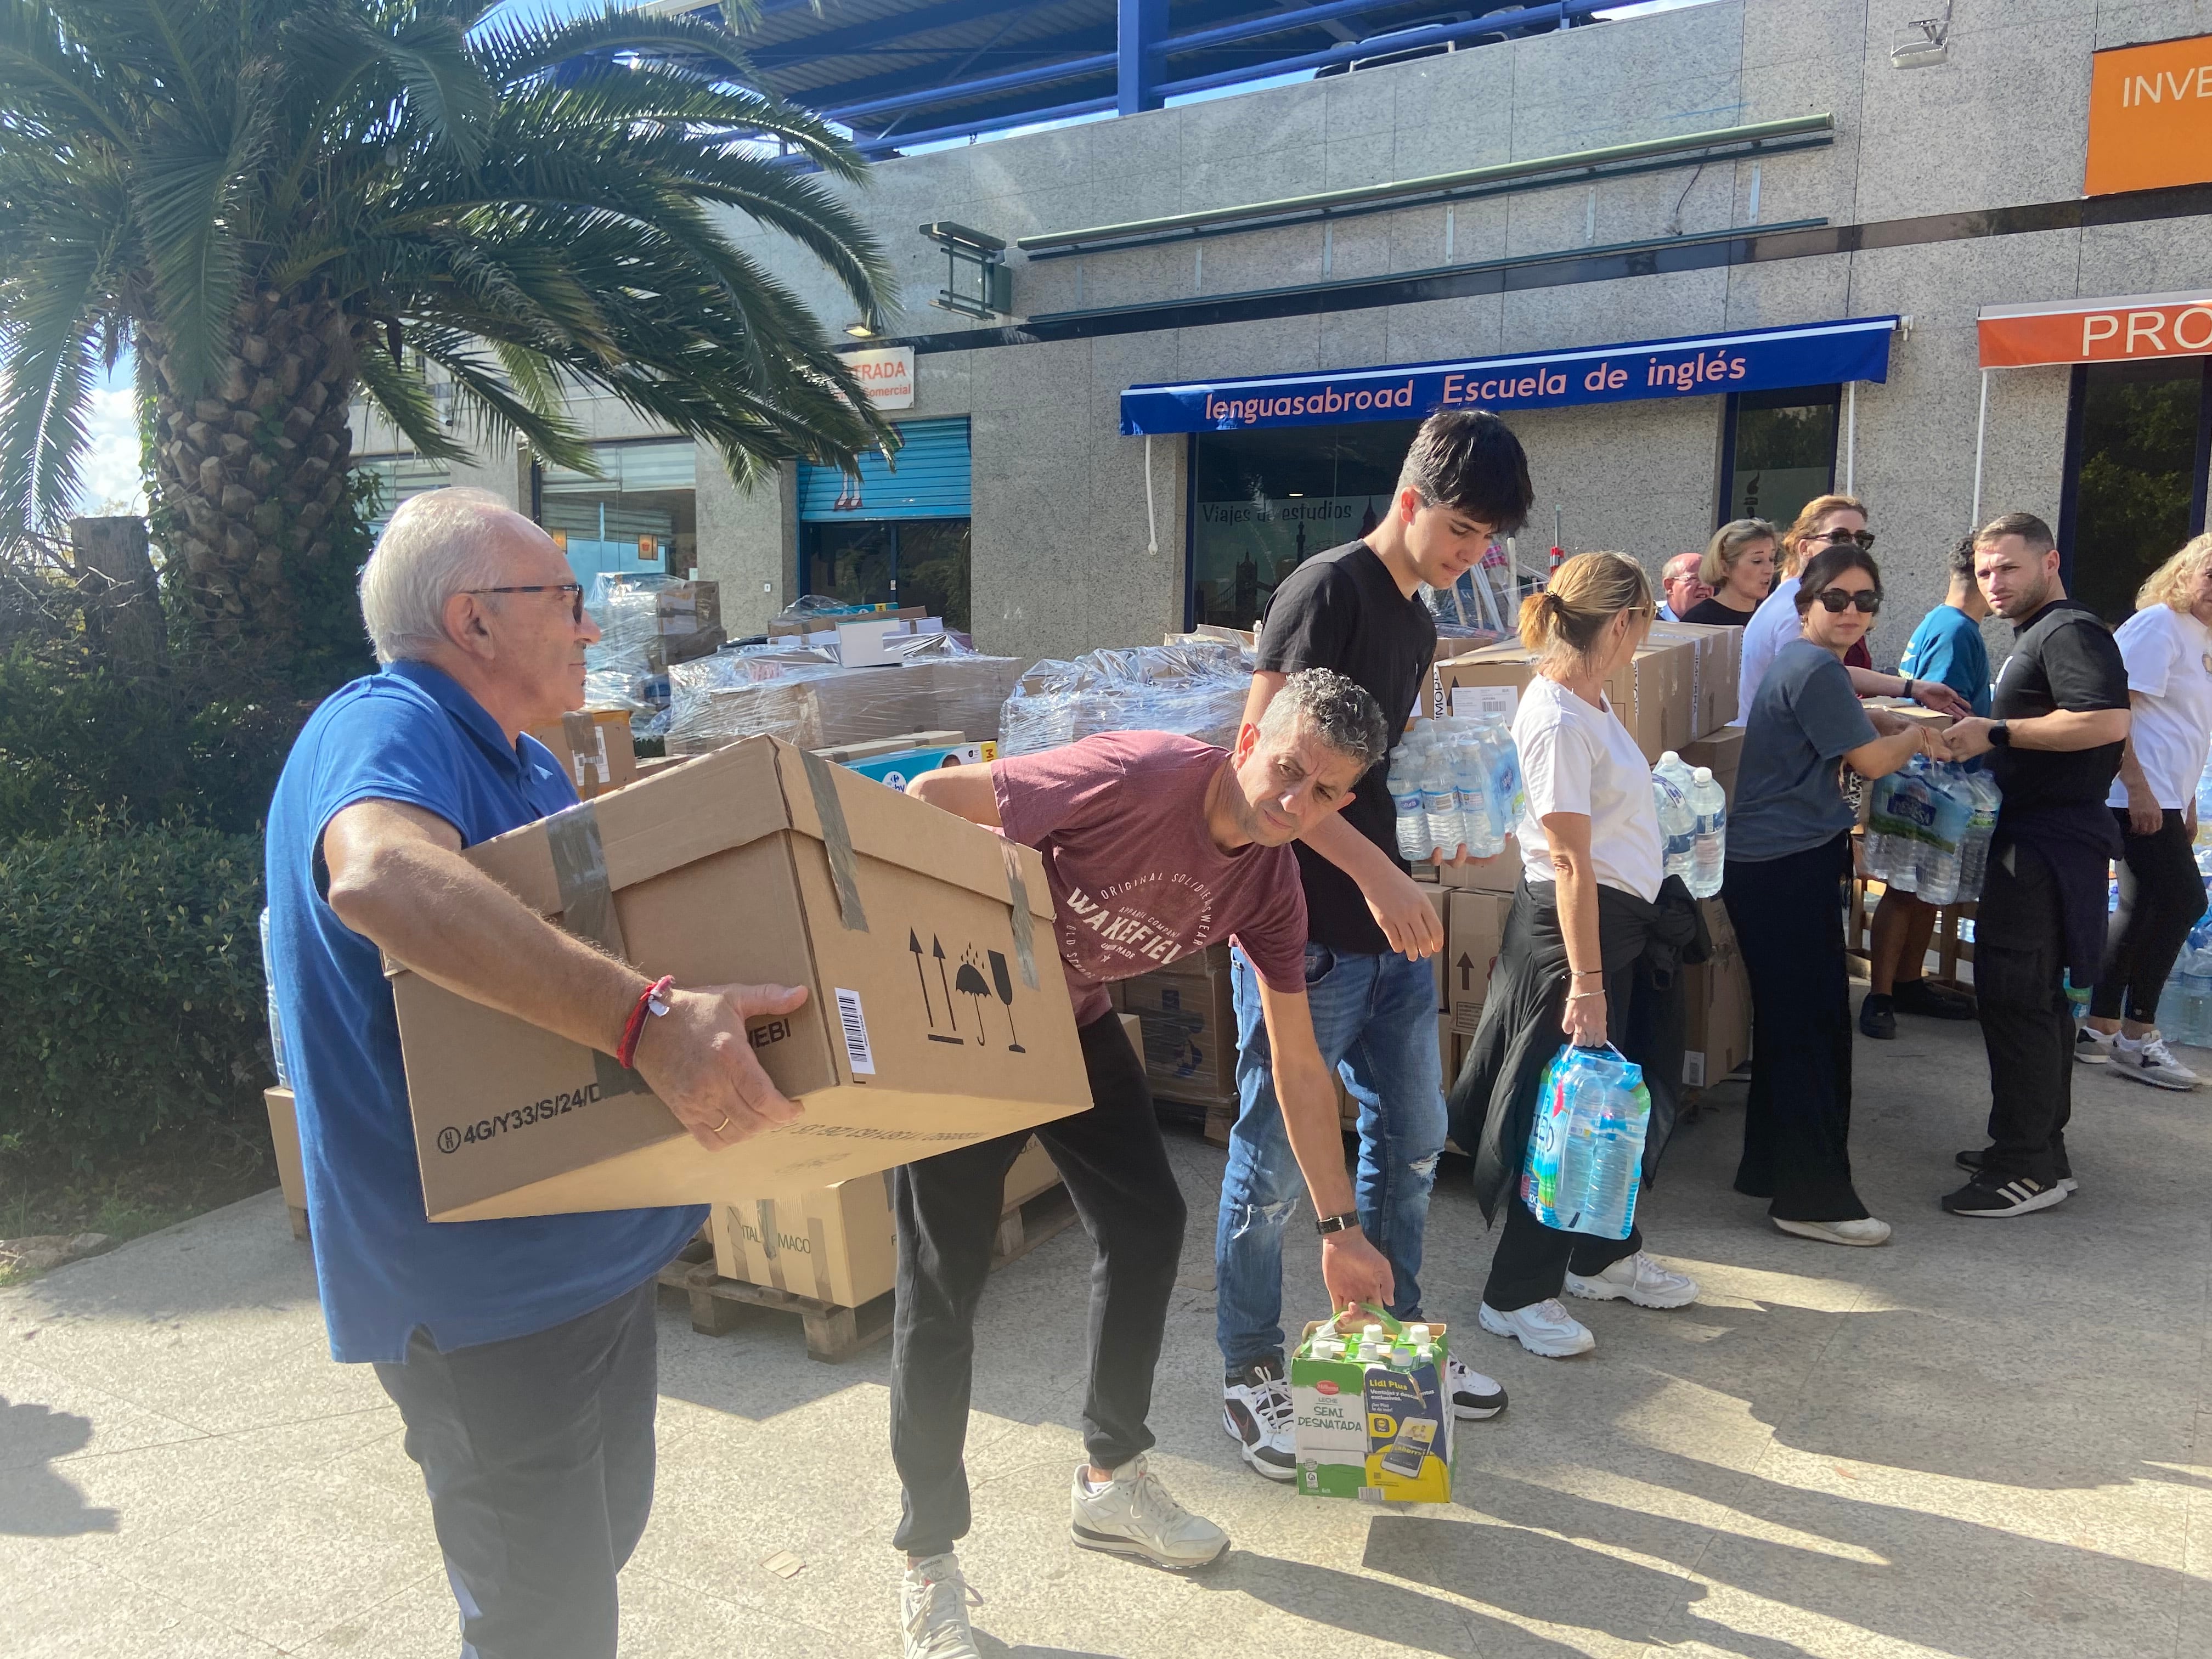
[587, 910]
[1018, 895]
[836, 841]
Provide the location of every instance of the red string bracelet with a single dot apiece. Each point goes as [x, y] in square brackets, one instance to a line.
[653, 999]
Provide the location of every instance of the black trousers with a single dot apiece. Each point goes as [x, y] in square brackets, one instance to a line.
[1789, 918]
[1533, 1261]
[2019, 953]
[946, 1210]
[537, 1453]
[2161, 897]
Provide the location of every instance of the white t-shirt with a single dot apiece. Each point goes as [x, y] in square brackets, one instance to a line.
[2169, 658]
[1773, 625]
[1574, 758]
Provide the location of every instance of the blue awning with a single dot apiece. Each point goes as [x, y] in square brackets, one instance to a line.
[1754, 360]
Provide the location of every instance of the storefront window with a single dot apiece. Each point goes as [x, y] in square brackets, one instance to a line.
[639, 515]
[1264, 503]
[893, 561]
[397, 477]
[1780, 452]
[2135, 485]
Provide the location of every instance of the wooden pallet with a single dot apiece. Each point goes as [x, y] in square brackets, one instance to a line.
[835, 1334]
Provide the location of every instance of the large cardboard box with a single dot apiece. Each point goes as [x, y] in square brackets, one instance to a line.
[595, 745]
[1189, 1019]
[1650, 694]
[936, 1014]
[1716, 655]
[1717, 1031]
[838, 1244]
[1471, 944]
[1499, 875]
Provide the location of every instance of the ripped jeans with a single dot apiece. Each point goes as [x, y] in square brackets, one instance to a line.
[1375, 1018]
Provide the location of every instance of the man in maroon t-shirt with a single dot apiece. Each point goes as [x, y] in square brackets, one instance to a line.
[1156, 846]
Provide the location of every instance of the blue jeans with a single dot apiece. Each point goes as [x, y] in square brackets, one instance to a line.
[1376, 1020]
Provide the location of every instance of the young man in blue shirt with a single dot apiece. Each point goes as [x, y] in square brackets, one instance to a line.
[520, 1352]
[1946, 649]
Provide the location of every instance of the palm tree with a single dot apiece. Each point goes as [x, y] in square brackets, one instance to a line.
[280, 204]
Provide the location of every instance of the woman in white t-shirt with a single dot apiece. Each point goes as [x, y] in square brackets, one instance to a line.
[2167, 646]
[1589, 951]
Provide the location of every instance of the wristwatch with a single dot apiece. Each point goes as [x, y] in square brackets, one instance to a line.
[1999, 735]
[1907, 692]
[1326, 1224]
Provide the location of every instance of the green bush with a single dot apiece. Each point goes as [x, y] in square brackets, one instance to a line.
[130, 972]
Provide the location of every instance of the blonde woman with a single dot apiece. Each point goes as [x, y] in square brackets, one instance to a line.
[2167, 647]
[1827, 521]
[1589, 951]
[1739, 567]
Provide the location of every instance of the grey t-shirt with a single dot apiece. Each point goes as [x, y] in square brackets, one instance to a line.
[1803, 718]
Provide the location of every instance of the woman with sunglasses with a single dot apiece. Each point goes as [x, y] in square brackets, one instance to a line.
[1828, 522]
[1788, 851]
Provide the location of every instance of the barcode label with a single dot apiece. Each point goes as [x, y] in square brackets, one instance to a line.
[1473, 701]
[1371, 1494]
[855, 1024]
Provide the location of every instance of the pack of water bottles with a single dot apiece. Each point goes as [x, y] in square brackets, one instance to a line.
[1929, 830]
[2185, 1007]
[1585, 1162]
[1455, 782]
[1692, 809]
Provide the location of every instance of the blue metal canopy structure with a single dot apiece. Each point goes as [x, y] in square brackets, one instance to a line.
[899, 73]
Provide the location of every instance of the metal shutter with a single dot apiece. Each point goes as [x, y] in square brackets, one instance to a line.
[931, 481]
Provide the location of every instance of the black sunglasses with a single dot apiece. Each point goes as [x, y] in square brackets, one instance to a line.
[573, 590]
[1837, 537]
[1868, 600]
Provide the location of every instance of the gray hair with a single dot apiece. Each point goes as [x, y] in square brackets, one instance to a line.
[439, 543]
[1334, 709]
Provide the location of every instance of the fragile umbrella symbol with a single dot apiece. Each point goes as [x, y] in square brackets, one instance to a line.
[969, 982]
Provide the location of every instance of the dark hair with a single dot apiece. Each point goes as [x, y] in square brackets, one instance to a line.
[1962, 560]
[1337, 710]
[1829, 563]
[2025, 526]
[1469, 461]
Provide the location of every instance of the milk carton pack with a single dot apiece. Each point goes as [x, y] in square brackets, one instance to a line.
[1373, 1420]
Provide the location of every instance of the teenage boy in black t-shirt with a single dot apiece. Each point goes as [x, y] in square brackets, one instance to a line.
[1356, 610]
[2061, 719]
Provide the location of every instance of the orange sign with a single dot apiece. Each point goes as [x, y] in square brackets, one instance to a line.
[2150, 116]
[2098, 330]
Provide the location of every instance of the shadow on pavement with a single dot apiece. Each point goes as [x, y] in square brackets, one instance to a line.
[35, 1500]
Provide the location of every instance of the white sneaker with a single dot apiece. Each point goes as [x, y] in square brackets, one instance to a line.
[2147, 1060]
[1639, 1278]
[1543, 1327]
[933, 1603]
[2092, 1047]
[1864, 1232]
[1256, 1410]
[1133, 1515]
[1473, 1396]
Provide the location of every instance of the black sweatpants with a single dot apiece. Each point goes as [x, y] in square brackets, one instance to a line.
[946, 1210]
[537, 1452]
[1533, 1261]
[2161, 897]
[1788, 913]
[2019, 954]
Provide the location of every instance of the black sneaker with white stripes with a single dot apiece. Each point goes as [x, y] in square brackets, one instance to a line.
[1972, 1162]
[1255, 1409]
[1991, 1192]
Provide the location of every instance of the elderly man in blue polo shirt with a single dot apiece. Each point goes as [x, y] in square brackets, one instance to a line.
[521, 1352]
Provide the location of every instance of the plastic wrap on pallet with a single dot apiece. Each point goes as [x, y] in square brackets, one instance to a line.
[1194, 685]
[807, 699]
[615, 671]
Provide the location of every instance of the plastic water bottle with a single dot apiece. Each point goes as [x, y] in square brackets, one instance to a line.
[1942, 867]
[1440, 801]
[1617, 1163]
[1912, 812]
[1479, 829]
[1678, 825]
[276, 1024]
[1709, 803]
[2197, 997]
[1981, 829]
[1878, 846]
[1507, 771]
[1414, 843]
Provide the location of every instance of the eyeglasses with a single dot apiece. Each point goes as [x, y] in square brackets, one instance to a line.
[1865, 600]
[1838, 536]
[573, 590]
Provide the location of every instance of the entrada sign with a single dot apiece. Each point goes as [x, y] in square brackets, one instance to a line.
[1757, 360]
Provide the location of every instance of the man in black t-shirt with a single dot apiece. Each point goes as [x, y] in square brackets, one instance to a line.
[2060, 710]
[1355, 609]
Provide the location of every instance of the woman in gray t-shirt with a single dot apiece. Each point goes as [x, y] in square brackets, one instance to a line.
[1789, 849]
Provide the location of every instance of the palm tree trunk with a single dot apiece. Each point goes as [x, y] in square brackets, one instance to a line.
[249, 472]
